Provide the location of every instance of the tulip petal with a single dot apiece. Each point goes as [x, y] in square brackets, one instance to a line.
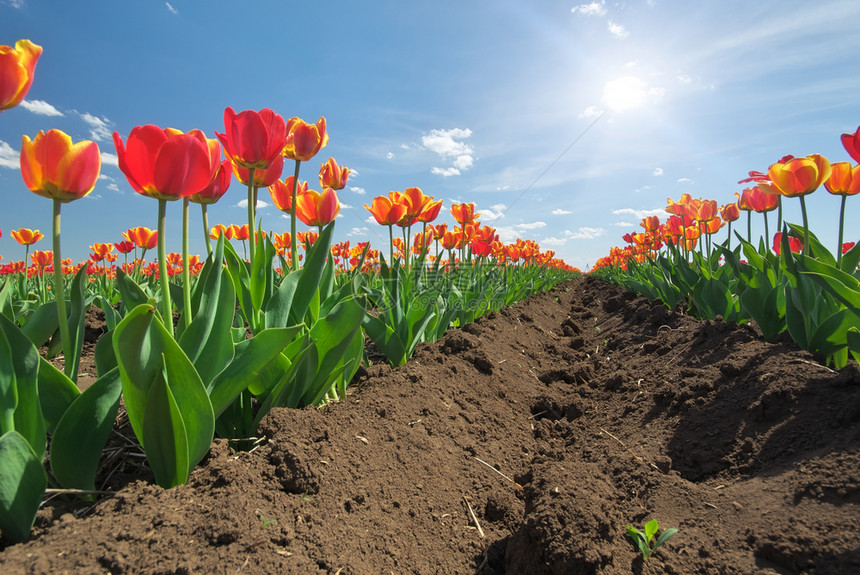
[181, 168]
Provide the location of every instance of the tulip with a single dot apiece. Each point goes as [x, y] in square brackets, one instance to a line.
[387, 213]
[54, 167]
[650, 223]
[26, 236]
[262, 178]
[317, 209]
[333, 176]
[851, 143]
[167, 164]
[253, 141]
[304, 140]
[281, 192]
[211, 194]
[464, 213]
[794, 243]
[144, 238]
[798, 177]
[17, 66]
[302, 143]
[844, 181]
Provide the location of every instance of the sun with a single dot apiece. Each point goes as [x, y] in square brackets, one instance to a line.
[628, 93]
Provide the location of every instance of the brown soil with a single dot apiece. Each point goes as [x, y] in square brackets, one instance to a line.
[595, 408]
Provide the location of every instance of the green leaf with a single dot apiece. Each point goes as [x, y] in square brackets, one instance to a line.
[665, 536]
[132, 295]
[207, 341]
[309, 281]
[147, 354]
[650, 529]
[20, 370]
[278, 306]
[844, 286]
[42, 323]
[6, 300]
[164, 435]
[250, 357]
[260, 279]
[853, 339]
[77, 325]
[22, 485]
[105, 355]
[83, 431]
[56, 393]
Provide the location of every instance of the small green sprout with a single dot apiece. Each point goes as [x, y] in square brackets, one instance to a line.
[643, 540]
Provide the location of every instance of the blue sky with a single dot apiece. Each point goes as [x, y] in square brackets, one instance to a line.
[565, 122]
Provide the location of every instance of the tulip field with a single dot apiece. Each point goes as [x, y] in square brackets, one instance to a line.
[455, 403]
[270, 327]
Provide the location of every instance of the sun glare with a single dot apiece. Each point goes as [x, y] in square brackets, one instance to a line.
[627, 93]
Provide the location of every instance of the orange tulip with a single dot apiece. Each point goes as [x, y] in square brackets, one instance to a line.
[333, 176]
[304, 140]
[17, 66]
[41, 259]
[800, 176]
[679, 209]
[385, 211]
[703, 210]
[417, 202]
[451, 240]
[54, 167]
[711, 226]
[730, 212]
[438, 230]
[217, 231]
[430, 211]
[844, 180]
[315, 209]
[167, 164]
[282, 193]
[253, 139]
[282, 242]
[101, 249]
[27, 237]
[464, 213]
[143, 238]
[756, 200]
[650, 223]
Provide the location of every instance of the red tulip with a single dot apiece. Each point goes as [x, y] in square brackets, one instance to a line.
[851, 143]
[262, 178]
[730, 212]
[54, 167]
[253, 139]
[217, 187]
[167, 164]
[17, 66]
[794, 243]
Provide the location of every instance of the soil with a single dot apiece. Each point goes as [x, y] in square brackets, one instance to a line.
[557, 422]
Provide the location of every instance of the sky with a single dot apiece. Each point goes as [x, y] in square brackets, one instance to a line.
[564, 122]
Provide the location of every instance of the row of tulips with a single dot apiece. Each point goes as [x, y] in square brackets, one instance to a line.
[211, 349]
[793, 283]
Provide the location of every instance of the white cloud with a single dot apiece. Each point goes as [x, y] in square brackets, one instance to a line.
[93, 196]
[445, 171]
[657, 172]
[492, 214]
[617, 30]
[589, 112]
[357, 190]
[585, 233]
[561, 212]
[449, 144]
[15, 3]
[9, 158]
[343, 206]
[553, 242]
[531, 226]
[244, 204]
[171, 8]
[685, 181]
[362, 231]
[110, 159]
[624, 224]
[683, 78]
[389, 155]
[590, 9]
[99, 127]
[641, 214]
[112, 187]
[40, 107]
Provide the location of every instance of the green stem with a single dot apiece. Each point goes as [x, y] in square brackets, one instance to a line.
[767, 238]
[841, 224]
[205, 211]
[59, 293]
[166, 305]
[749, 226]
[252, 211]
[294, 248]
[391, 244]
[186, 273]
[805, 225]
